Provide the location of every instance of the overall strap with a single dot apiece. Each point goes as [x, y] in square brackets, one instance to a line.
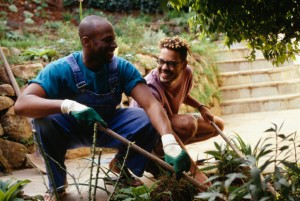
[113, 74]
[80, 83]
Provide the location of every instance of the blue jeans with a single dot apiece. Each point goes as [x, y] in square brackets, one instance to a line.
[60, 132]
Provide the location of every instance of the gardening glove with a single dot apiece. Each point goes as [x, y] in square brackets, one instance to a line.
[83, 114]
[174, 155]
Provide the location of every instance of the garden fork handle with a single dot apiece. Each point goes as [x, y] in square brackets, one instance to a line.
[10, 73]
[239, 153]
[235, 149]
[150, 156]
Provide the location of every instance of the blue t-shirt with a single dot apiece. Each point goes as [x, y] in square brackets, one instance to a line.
[58, 81]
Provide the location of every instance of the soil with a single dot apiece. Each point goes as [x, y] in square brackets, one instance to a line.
[15, 20]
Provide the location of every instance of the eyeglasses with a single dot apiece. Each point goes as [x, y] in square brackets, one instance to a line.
[170, 64]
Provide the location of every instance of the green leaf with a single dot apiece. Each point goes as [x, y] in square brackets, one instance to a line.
[292, 166]
[270, 130]
[17, 199]
[15, 188]
[231, 177]
[283, 148]
[208, 195]
[2, 195]
[140, 190]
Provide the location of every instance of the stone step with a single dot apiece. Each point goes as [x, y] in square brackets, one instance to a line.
[235, 53]
[261, 104]
[245, 65]
[261, 89]
[260, 75]
[221, 45]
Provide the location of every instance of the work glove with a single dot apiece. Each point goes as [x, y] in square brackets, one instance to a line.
[174, 155]
[83, 114]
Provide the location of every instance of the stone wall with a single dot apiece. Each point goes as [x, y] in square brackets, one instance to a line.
[16, 137]
[15, 131]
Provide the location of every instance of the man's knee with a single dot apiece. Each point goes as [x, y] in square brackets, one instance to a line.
[184, 126]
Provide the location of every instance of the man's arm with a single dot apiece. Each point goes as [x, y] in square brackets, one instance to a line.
[192, 102]
[205, 112]
[153, 108]
[143, 96]
[33, 103]
[174, 154]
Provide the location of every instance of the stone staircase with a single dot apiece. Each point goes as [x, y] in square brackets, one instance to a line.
[256, 86]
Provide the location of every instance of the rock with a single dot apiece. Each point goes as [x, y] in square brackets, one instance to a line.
[6, 51]
[14, 153]
[16, 127]
[29, 21]
[27, 71]
[6, 90]
[4, 76]
[10, 111]
[28, 14]
[1, 130]
[13, 8]
[78, 152]
[5, 102]
[15, 51]
[4, 165]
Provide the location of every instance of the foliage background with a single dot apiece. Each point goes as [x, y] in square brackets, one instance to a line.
[271, 26]
[138, 33]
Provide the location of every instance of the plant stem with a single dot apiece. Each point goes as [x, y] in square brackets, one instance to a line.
[72, 176]
[123, 165]
[97, 173]
[93, 158]
[80, 9]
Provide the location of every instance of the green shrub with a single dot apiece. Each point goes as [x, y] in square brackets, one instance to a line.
[240, 178]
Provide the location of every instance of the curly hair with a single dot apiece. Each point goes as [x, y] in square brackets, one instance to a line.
[177, 44]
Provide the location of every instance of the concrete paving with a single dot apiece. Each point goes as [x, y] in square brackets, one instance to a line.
[251, 127]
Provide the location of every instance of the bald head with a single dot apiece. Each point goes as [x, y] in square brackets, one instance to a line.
[97, 38]
[92, 24]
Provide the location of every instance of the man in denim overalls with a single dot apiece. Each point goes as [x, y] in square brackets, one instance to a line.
[72, 93]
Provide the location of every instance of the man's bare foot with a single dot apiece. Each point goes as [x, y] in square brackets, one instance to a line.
[125, 177]
[51, 196]
[201, 178]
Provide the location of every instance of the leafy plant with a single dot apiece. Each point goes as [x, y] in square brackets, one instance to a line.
[140, 193]
[11, 190]
[47, 55]
[240, 179]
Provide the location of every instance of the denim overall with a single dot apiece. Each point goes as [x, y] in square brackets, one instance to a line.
[60, 132]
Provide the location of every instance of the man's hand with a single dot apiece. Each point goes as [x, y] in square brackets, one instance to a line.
[174, 155]
[206, 113]
[83, 114]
